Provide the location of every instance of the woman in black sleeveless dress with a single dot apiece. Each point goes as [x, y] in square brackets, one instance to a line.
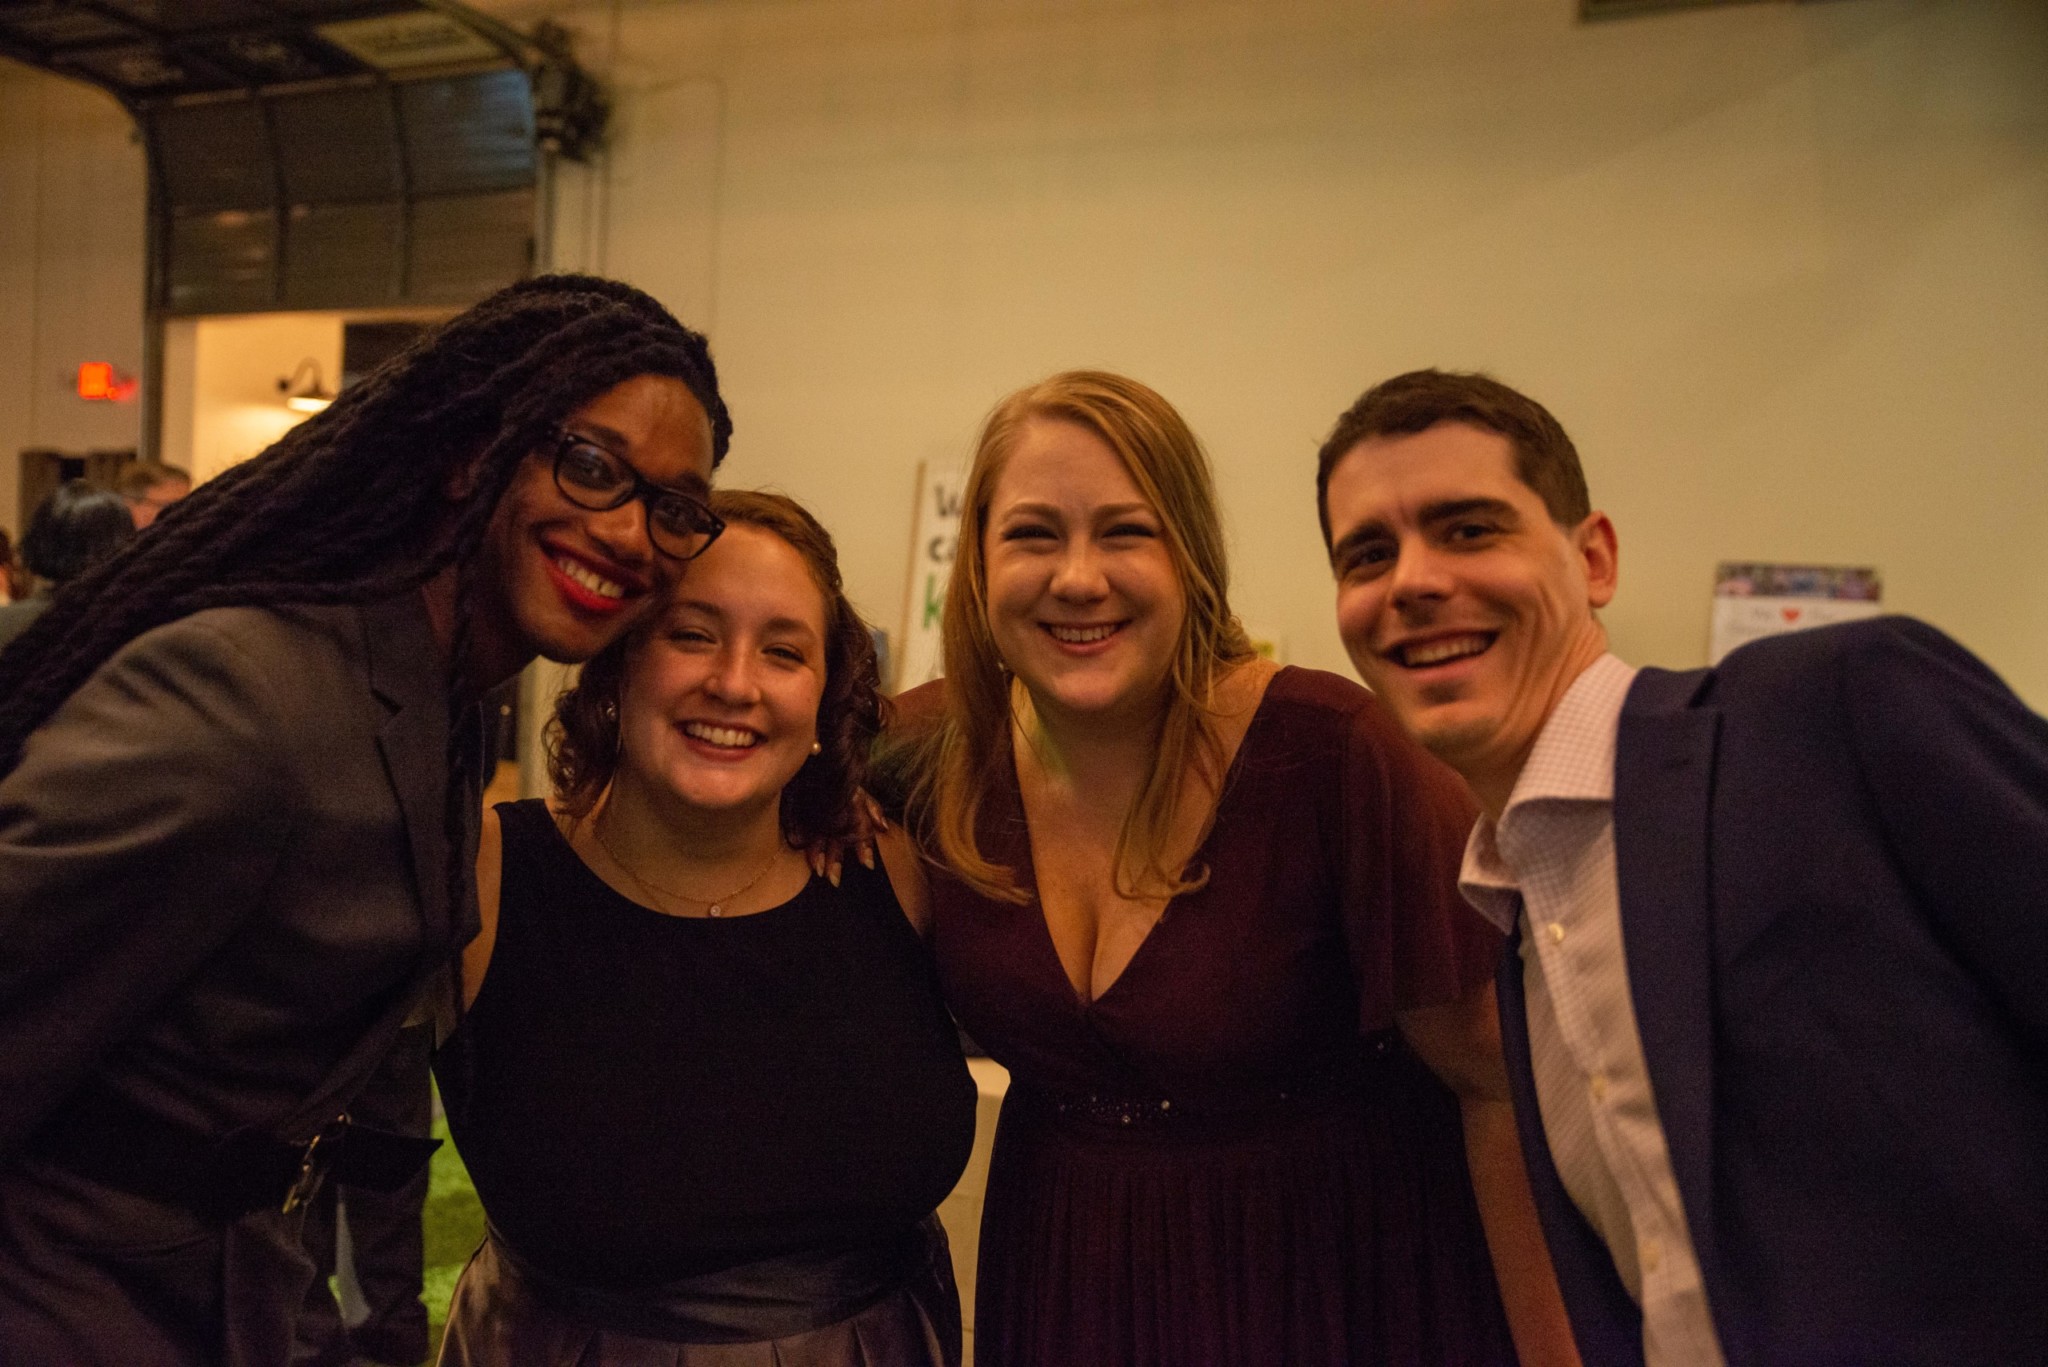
[710, 1100]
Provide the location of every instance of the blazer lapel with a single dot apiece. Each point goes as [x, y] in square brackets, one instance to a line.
[1605, 1322]
[406, 675]
[1663, 786]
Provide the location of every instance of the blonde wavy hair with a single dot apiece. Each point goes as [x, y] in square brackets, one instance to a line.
[1168, 465]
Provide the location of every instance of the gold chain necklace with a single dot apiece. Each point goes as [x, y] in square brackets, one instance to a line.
[713, 906]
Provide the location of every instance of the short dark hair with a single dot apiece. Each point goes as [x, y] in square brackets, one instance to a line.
[78, 525]
[583, 739]
[1545, 458]
[138, 477]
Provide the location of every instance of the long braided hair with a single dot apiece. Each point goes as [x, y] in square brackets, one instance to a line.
[352, 505]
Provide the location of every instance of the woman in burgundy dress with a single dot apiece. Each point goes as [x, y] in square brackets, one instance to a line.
[1204, 910]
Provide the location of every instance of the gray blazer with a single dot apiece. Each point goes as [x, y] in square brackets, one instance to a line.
[223, 874]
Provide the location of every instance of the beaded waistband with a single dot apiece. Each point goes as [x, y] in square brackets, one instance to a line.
[1155, 1110]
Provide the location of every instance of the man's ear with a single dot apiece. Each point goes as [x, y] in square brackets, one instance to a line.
[1598, 552]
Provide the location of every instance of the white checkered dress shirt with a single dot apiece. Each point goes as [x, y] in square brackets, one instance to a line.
[1549, 862]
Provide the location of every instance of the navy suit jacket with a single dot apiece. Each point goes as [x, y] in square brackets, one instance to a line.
[1833, 862]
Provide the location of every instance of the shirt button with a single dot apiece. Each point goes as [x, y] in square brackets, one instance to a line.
[1556, 933]
[1599, 1086]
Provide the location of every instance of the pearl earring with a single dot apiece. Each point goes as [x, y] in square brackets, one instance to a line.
[815, 747]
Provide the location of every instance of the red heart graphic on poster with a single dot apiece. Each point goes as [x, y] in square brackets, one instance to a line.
[1791, 614]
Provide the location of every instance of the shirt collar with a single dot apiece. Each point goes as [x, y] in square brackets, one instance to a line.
[1572, 761]
[1573, 758]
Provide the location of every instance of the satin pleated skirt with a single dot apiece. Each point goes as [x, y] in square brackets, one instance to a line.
[501, 1317]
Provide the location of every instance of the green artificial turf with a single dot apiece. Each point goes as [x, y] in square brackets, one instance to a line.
[454, 1226]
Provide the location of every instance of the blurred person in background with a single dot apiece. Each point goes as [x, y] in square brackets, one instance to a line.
[78, 525]
[15, 580]
[149, 487]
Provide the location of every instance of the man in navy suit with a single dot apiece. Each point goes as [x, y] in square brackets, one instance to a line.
[1775, 1001]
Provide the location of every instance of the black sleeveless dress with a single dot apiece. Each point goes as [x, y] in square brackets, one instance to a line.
[693, 1130]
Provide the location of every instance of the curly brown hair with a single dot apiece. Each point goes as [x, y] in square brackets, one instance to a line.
[583, 738]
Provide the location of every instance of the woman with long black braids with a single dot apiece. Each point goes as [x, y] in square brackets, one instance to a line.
[238, 769]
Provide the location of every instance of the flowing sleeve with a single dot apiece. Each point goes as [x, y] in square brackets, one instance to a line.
[1403, 818]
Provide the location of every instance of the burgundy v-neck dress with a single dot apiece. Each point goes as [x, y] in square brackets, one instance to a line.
[1229, 1156]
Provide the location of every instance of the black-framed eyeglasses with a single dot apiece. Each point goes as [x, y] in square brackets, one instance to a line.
[681, 525]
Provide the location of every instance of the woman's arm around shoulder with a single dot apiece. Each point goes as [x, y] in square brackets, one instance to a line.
[1460, 1041]
[903, 752]
[906, 871]
[490, 867]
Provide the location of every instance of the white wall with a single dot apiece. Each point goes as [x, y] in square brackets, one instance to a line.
[1782, 270]
[72, 196]
[221, 400]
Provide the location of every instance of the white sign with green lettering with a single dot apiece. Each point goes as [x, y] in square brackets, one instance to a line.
[934, 534]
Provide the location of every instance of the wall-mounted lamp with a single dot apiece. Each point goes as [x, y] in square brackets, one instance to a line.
[302, 390]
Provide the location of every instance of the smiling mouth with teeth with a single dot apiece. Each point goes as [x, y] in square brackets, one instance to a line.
[588, 578]
[1440, 651]
[727, 737]
[1081, 636]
